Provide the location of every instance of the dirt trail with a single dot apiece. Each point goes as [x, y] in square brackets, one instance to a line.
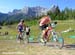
[34, 49]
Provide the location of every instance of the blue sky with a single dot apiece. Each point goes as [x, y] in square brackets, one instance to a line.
[9, 5]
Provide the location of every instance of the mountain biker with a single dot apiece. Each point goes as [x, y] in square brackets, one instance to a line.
[43, 23]
[20, 28]
[49, 30]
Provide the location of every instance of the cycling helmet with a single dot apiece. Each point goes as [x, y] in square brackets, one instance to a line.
[22, 20]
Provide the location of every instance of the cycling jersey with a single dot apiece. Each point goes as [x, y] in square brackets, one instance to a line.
[44, 20]
[20, 27]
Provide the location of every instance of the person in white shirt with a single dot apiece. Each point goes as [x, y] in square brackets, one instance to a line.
[27, 33]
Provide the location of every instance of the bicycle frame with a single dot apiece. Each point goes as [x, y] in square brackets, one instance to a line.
[21, 38]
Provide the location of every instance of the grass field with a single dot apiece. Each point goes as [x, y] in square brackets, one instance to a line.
[61, 26]
[8, 43]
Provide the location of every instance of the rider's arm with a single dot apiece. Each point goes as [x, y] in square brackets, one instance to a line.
[24, 27]
[49, 19]
[39, 21]
[17, 26]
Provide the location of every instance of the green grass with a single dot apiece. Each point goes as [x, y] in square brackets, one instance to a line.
[62, 25]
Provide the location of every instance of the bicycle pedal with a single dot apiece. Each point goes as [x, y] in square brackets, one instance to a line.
[42, 40]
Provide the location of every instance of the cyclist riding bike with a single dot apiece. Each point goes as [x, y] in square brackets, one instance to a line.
[43, 23]
[21, 29]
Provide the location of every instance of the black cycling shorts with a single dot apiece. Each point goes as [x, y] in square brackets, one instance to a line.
[43, 26]
[27, 33]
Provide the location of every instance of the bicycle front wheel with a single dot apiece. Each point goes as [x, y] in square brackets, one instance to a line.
[60, 41]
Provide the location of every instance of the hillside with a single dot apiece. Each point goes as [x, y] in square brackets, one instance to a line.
[24, 13]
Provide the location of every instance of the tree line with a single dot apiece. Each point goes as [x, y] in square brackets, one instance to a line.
[66, 14]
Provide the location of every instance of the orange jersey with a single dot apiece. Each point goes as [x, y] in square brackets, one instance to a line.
[45, 20]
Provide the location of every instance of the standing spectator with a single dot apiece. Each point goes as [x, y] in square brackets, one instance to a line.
[27, 33]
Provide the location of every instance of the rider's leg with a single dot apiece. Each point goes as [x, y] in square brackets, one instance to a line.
[43, 27]
[43, 34]
[43, 37]
[20, 37]
[48, 35]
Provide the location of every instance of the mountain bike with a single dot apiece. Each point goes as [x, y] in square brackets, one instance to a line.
[56, 37]
[22, 38]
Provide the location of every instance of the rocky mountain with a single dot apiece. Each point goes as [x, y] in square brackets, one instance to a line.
[3, 17]
[26, 13]
[30, 11]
